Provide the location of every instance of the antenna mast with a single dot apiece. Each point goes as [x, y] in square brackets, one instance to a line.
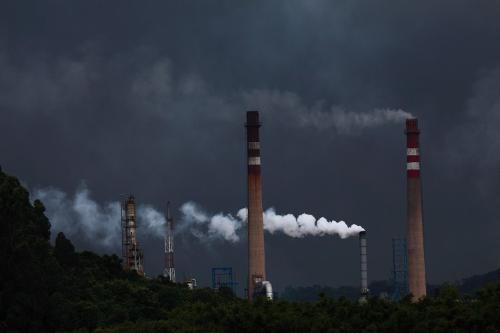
[169, 271]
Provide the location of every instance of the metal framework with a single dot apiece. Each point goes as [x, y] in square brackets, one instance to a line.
[131, 253]
[169, 270]
[400, 268]
[223, 277]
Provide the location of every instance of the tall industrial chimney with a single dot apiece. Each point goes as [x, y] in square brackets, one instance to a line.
[169, 270]
[363, 250]
[256, 252]
[415, 234]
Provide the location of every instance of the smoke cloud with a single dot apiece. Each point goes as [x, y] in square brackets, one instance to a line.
[219, 226]
[151, 221]
[79, 216]
[307, 225]
[226, 226]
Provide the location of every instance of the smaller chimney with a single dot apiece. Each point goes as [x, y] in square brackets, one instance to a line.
[364, 266]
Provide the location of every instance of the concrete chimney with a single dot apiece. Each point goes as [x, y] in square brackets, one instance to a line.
[256, 251]
[415, 234]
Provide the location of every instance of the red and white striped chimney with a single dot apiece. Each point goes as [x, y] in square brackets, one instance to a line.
[415, 234]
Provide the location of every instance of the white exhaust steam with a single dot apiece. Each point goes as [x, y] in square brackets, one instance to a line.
[205, 227]
[226, 226]
[83, 219]
[307, 225]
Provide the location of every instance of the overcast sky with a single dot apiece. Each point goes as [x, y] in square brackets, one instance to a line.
[149, 98]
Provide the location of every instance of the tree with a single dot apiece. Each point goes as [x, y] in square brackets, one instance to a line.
[64, 251]
[29, 272]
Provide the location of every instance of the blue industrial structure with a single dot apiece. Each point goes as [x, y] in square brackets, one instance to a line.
[223, 277]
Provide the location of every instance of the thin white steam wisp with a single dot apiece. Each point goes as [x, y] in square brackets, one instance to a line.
[348, 121]
[319, 115]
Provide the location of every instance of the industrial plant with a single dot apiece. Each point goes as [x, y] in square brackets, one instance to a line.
[408, 254]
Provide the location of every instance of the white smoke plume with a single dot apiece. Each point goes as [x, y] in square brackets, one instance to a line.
[151, 221]
[307, 225]
[226, 226]
[79, 216]
[219, 226]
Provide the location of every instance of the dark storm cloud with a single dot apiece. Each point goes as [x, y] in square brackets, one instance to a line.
[150, 97]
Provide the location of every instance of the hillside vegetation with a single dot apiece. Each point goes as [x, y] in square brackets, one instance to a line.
[45, 288]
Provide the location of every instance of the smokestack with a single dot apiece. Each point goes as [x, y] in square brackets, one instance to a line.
[169, 271]
[415, 234]
[363, 250]
[256, 252]
[131, 253]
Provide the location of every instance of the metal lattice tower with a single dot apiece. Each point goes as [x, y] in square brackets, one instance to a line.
[169, 271]
[400, 268]
[131, 253]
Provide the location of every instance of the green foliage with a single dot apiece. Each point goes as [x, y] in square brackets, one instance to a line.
[64, 251]
[48, 289]
[29, 272]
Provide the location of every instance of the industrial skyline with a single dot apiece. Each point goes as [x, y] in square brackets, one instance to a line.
[257, 284]
[128, 98]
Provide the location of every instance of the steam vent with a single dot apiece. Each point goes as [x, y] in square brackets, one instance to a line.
[256, 251]
[415, 233]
